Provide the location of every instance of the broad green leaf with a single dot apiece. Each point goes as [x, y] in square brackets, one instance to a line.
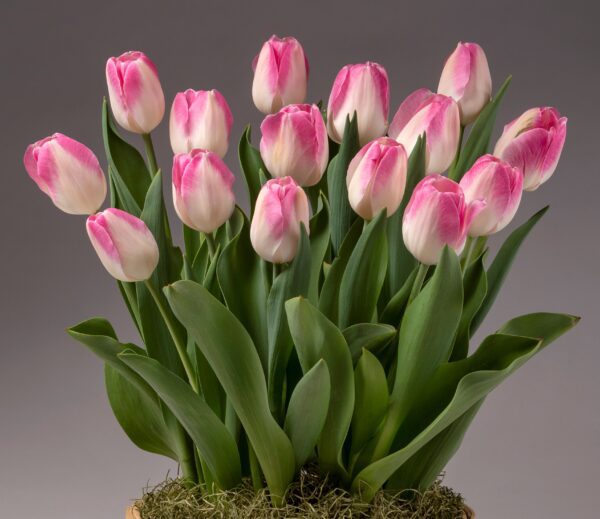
[370, 336]
[307, 411]
[371, 402]
[192, 242]
[251, 163]
[364, 275]
[479, 139]
[244, 288]
[542, 325]
[210, 436]
[342, 214]
[210, 281]
[233, 357]
[200, 263]
[402, 262]
[499, 268]
[319, 244]
[394, 310]
[316, 338]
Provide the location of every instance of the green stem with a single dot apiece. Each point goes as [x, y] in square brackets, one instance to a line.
[276, 271]
[452, 171]
[466, 254]
[181, 348]
[211, 243]
[418, 284]
[255, 473]
[152, 165]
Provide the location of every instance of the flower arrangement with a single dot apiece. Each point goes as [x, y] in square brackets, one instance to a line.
[331, 323]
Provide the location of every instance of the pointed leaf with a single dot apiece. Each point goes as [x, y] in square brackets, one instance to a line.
[394, 310]
[251, 163]
[370, 336]
[319, 243]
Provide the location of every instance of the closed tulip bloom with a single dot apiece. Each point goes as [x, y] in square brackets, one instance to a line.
[364, 89]
[533, 142]
[202, 190]
[437, 215]
[280, 74]
[124, 244]
[435, 115]
[294, 143]
[280, 208]
[500, 185]
[200, 119]
[134, 90]
[466, 79]
[376, 178]
[68, 172]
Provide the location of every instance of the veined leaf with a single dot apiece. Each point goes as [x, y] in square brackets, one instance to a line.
[251, 163]
[368, 336]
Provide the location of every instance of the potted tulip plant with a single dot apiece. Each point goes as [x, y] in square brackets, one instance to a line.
[330, 324]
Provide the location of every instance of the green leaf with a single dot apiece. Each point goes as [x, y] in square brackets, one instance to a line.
[499, 268]
[370, 336]
[342, 214]
[364, 275]
[319, 244]
[479, 139]
[372, 399]
[251, 163]
[402, 262]
[210, 436]
[232, 355]
[307, 411]
[316, 338]
[394, 310]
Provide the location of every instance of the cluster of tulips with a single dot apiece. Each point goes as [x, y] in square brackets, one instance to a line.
[335, 322]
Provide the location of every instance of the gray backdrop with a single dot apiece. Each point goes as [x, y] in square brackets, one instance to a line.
[533, 451]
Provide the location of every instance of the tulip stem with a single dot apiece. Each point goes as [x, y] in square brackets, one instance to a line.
[418, 284]
[211, 244]
[150, 153]
[452, 171]
[170, 322]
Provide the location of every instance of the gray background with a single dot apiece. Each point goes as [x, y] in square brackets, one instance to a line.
[534, 449]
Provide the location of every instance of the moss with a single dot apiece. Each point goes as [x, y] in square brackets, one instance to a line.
[309, 497]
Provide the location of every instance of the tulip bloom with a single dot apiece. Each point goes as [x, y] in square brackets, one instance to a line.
[280, 75]
[435, 115]
[124, 244]
[364, 89]
[376, 178]
[200, 119]
[500, 185]
[68, 172]
[466, 79]
[437, 215]
[294, 143]
[134, 90]
[202, 190]
[280, 208]
[533, 142]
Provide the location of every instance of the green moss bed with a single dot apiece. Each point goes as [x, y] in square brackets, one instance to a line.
[310, 497]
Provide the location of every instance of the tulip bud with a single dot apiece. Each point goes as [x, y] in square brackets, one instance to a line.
[281, 206]
[200, 119]
[466, 79]
[294, 143]
[124, 244]
[533, 142]
[68, 172]
[437, 215]
[134, 90]
[280, 74]
[377, 177]
[435, 115]
[363, 89]
[500, 185]
[202, 190]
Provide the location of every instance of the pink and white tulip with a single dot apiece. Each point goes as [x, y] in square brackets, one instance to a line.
[435, 115]
[68, 172]
[202, 190]
[200, 119]
[376, 178]
[533, 142]
[437, 215]
[136, 96]
[280, 75]
[364, 89]
[281, 206]
[466, 78]
[500, 185]
[124, 244]
[294, 143]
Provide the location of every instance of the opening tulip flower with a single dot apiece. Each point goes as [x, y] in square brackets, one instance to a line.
[280, 75]
[294, 143]
[68, 172]
[533, 142]
[364, 89]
